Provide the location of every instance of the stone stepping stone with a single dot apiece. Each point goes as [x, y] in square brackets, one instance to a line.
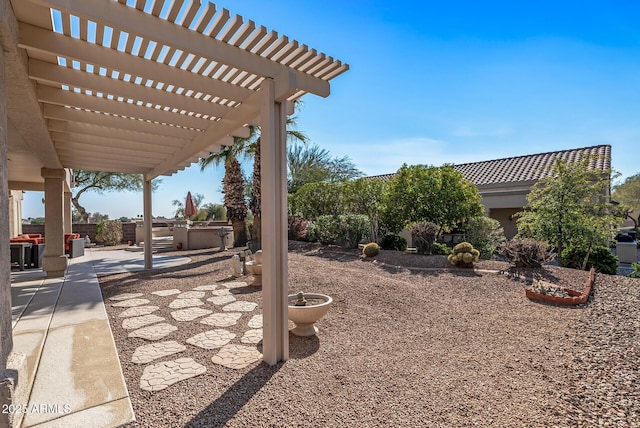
[159, 376]
[221, 292]
[126, 296]
[235, 284]
[237, 356]
[146, 353]
[211, 339]
[191, 295]
[154, 332]
[190, 314]
[206, 287]
[222, 320]
[130, 303]
[138, 322]
[137, 311]
[255, 321]
[240, 306]
[252, 336]
[185, 303]
[221, 300]
[164, 293]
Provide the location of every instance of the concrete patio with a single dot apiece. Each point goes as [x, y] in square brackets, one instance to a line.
[60, 325]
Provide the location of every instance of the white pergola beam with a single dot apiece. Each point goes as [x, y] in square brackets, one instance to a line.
[72, 115]
[99, 151]
[45, 41]
[55, 74]
[111, 142]
[51, 95]
[147, 26]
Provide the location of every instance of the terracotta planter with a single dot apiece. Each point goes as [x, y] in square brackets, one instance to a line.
[574, 297]
[179, 246]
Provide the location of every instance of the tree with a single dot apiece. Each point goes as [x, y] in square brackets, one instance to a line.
[570, 208]
[628, 193]
[232, 187]
[427, 193]
[365, 196]
[313, 200]
[100, 182]
[214, 212]
[313, 164]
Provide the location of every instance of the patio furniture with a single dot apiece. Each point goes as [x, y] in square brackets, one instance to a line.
[21, 253]
[37, 251]
[73, 245]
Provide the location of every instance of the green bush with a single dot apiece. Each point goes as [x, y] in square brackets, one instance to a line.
[344, 230]
[601, 258]
[526, 252]
[636, 270]
[393, 241]
[485, 234]
[312, 234]
[109, 232]
[441, 249]
[423, 234]
[371, 249]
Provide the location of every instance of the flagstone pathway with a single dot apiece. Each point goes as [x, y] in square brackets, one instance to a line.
[222, 310]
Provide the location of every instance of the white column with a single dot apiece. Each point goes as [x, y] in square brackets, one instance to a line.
[148, 224]
[274, 227]
[54, 262]
[68, 219]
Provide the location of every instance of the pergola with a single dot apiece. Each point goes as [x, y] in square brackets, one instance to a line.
[146, 87]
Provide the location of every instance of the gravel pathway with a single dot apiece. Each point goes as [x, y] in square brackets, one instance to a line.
[399, 347]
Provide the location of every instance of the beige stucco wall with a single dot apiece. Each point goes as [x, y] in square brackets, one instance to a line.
[505, 217]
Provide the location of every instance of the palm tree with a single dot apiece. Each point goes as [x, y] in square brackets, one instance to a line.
[232, 187]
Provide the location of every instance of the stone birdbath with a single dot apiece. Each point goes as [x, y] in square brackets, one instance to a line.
[305, 309]
[255, 268]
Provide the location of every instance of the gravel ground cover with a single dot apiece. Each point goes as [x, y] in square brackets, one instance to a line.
[402, 347]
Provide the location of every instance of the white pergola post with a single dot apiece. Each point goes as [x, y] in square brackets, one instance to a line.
[148, 224]
[54, 262]
[274, 226]
[68, 222]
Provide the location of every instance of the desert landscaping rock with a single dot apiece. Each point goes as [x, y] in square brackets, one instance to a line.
[137, 311]
[222, 320]
[185, 303]
[235, 284]
[159, 376]
[209, 287]
[221, 300]
[190, 314]
[165, 293]
[126, 296]
[211, 339]
[154, 332]
[221, 292]
[240, 306]
[255, 321]
[147, 353]
[130, 303]
[191, 295]
[252, 336]
[236, 356]
[138, 322]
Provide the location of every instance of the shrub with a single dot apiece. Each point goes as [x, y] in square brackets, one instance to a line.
[526, 252]
[485, 234]
[393, 241]
[312, 234]
[423, 234]
[600, 258]
[636, 270]
[464, 255]
[345, 230]
[371, 249]
[441, 249]
[109, 232]
[297, 229]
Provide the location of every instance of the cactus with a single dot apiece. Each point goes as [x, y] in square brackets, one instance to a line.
[464, 255]
[371, 249]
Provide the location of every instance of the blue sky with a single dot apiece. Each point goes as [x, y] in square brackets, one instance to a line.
[436, 82]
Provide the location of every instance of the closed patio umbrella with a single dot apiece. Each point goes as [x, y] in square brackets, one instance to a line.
[189, 207]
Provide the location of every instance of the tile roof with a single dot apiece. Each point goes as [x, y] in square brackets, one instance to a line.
[529, 167]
